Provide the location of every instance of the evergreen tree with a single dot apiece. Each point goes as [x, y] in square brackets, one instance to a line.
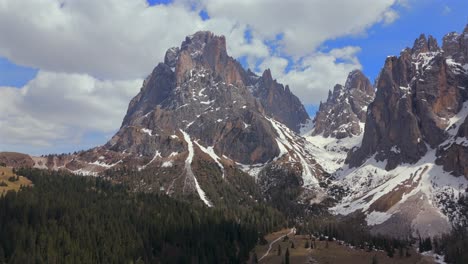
[286, 256]
[279, 250]
[63, 218]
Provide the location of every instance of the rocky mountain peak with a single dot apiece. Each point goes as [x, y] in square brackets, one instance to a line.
[202, 126]
[456, 46]
[266, 75]
[423, 45]
[344, 112]
[278, 100]
[420, 45]
[416, 97]
[432, 44]
[357, 80]
[204, 118]
[204, 50]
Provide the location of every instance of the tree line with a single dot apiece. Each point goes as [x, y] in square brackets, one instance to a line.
[69, 219]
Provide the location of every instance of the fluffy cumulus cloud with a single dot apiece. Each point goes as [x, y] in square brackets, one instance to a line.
[312, 77]
[113, 39]
[303, 25]
[92, 55]
[58, 108]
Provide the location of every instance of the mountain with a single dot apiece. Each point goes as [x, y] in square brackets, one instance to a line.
[278, 101]
[414, 147]
[339, 122]
[204, 128]
[344, 112]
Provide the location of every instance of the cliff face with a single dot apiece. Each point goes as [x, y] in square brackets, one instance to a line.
[344, 112]
[411, 165]
[202, 126]
[417, 95]
[278, 101]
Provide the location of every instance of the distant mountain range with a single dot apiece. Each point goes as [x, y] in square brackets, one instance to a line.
[204, 128]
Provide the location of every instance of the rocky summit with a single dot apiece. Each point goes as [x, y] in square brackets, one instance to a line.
[419, 94]
[413, 152]
[203, 126]
[344, 112]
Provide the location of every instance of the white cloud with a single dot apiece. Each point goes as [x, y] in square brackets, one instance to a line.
[124, 39]
[390, 16]
[110, 39]
[277, 65]
[314, 75]
[446, 10]
[304, 24]
[59, 107]
[92, 54]
[116, 39]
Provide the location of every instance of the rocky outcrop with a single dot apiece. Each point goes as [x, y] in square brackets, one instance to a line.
[199, 125]
[417, 94]
[278, 101]
[15, 159]
[344, 112]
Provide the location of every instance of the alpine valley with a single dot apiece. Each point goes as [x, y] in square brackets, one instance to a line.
[392, 155]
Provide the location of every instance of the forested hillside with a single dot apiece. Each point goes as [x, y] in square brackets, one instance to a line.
[69, 219]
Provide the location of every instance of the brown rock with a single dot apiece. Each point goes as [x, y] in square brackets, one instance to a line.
[16, 160]
[416, 94]
[340, 116]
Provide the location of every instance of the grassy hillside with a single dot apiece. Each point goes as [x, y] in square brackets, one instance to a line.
[10, 181]
[326, 252]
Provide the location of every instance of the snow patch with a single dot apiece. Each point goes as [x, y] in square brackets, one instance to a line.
[167, 164]
[188, 168]
[105, 165]
[156, 155]
[210, 151]
[376, 218]
[147, 131]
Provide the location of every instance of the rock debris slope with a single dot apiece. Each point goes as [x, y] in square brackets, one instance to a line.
[411, 166]
[201, 125]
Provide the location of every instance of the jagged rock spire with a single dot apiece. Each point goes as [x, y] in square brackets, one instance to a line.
[345, 109]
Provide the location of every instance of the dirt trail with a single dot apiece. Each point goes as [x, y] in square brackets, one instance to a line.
[293, 231]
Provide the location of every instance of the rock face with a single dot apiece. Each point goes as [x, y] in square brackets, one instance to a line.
[206, 95]
[417, 95]
[344, 112]
[201, 107]
[414, 148]
[14, 159]
[200, 125]
[278, 100]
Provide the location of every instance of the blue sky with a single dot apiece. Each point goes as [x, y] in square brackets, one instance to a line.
[370, 46]
[431, 17]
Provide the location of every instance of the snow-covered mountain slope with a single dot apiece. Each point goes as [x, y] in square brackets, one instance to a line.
[331, 152]
[414, 149]
[411, 198]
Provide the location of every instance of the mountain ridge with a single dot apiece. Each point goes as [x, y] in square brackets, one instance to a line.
[203, 128]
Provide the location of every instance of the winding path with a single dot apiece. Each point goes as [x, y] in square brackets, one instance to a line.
[293, 231]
